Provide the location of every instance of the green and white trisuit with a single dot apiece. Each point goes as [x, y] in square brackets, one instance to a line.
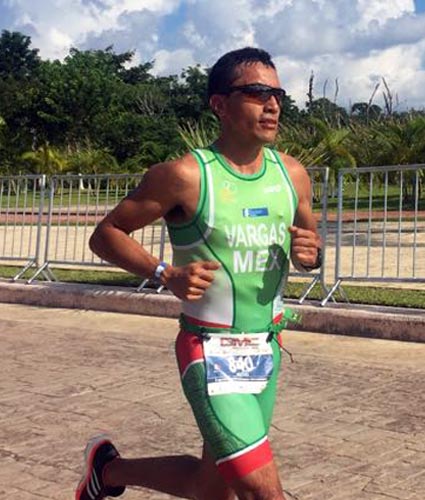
[241, 221]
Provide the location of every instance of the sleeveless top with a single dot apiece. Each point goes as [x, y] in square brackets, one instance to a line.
[242, 222]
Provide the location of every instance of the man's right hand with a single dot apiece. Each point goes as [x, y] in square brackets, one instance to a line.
[190, 282]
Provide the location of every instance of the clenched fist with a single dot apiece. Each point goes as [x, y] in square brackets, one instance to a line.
[304, 247]
[191, 281]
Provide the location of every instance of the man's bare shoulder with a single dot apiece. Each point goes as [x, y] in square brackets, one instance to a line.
[295, 168]
[181, 172]
[292, 164]
[297, 173]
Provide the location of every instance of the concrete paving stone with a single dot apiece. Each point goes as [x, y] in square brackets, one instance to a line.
[387, 460]
[371, 452]
[332, 486]
[321, 440]
[367, 435]
[391, 492]
[398, 473]
[19, 494]
[346, 414]
[416, 481]
[322, 472]
[416, 441]
[407, 422]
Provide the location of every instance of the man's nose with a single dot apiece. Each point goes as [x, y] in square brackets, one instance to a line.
[272, 104]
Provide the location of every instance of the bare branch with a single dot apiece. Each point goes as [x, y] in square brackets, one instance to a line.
[369, 104]
[310, 91]
[336, 90]
[388, 98]
[324, 88]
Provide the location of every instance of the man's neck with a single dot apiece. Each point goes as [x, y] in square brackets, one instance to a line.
[245, 159]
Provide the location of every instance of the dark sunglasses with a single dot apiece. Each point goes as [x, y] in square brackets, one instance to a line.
[259, 92]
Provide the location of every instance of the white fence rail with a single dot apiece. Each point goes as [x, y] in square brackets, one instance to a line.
[77, 203]
[380, 233]
[319, 178]
[377, 233]
[21, 209]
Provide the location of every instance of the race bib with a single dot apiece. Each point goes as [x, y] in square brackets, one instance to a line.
[238, 363]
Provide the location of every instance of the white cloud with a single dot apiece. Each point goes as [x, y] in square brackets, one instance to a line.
[357, 77]
[223, 26]
[380, 11]
[356, 41]
[59, 41]
[78, 19]
[172, 62]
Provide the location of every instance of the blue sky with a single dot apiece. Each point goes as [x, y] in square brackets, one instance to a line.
[357, 42]
[420, 5]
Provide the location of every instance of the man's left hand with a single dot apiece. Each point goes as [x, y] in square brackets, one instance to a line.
[304, 246]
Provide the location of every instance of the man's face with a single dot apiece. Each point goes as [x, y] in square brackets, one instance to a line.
[249, 117]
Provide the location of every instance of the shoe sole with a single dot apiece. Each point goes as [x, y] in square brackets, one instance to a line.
[92, 446]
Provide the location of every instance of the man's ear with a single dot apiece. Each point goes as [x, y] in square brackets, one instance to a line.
[217, 105]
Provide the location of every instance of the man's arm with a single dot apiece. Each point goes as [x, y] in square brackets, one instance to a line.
[163, 188]
[305, 242]
[111, 239]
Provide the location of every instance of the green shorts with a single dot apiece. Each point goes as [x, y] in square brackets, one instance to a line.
[234, 426]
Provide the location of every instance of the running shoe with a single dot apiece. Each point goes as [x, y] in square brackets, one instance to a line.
[99, 452]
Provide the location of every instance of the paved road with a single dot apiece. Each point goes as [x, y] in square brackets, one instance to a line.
[349, 424]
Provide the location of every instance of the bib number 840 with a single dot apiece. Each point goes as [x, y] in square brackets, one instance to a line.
[241, 364]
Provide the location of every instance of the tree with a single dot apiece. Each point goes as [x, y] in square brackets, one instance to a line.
[18, 66]
[366, 112]
[46, 160]
[189, 94]
[90, 160]
[328, 111]
[17, 59]
[289, 112]
[138, 74]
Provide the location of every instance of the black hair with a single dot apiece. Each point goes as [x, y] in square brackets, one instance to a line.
[223, 73]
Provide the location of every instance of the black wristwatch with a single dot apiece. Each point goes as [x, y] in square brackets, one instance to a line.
[318, 262]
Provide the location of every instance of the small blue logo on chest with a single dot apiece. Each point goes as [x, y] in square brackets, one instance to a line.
[255, 212]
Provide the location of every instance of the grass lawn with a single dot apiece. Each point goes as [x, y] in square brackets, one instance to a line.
[375, 295]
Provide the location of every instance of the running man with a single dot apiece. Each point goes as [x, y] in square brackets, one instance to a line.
[236, 212]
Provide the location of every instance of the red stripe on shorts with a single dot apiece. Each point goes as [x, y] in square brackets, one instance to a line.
[188, 349]
[245, 463]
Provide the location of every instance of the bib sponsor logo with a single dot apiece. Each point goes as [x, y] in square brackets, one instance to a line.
[255, 212]
[236, 342]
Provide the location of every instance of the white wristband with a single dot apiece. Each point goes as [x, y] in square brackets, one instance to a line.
[159, 270]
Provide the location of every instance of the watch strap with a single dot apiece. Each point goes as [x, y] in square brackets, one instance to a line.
[318, 262]
[159, 270]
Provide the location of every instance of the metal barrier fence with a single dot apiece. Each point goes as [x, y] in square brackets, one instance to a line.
[76, 204]
[377, 233]
[319, 177]
[21, 209]
[380, 226]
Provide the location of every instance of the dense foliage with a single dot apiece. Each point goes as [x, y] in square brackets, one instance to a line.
[93, 113]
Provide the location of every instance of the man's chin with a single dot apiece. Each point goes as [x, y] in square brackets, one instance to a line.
[268, 137]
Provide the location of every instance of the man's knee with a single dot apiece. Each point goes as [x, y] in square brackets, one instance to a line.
[210, 485]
